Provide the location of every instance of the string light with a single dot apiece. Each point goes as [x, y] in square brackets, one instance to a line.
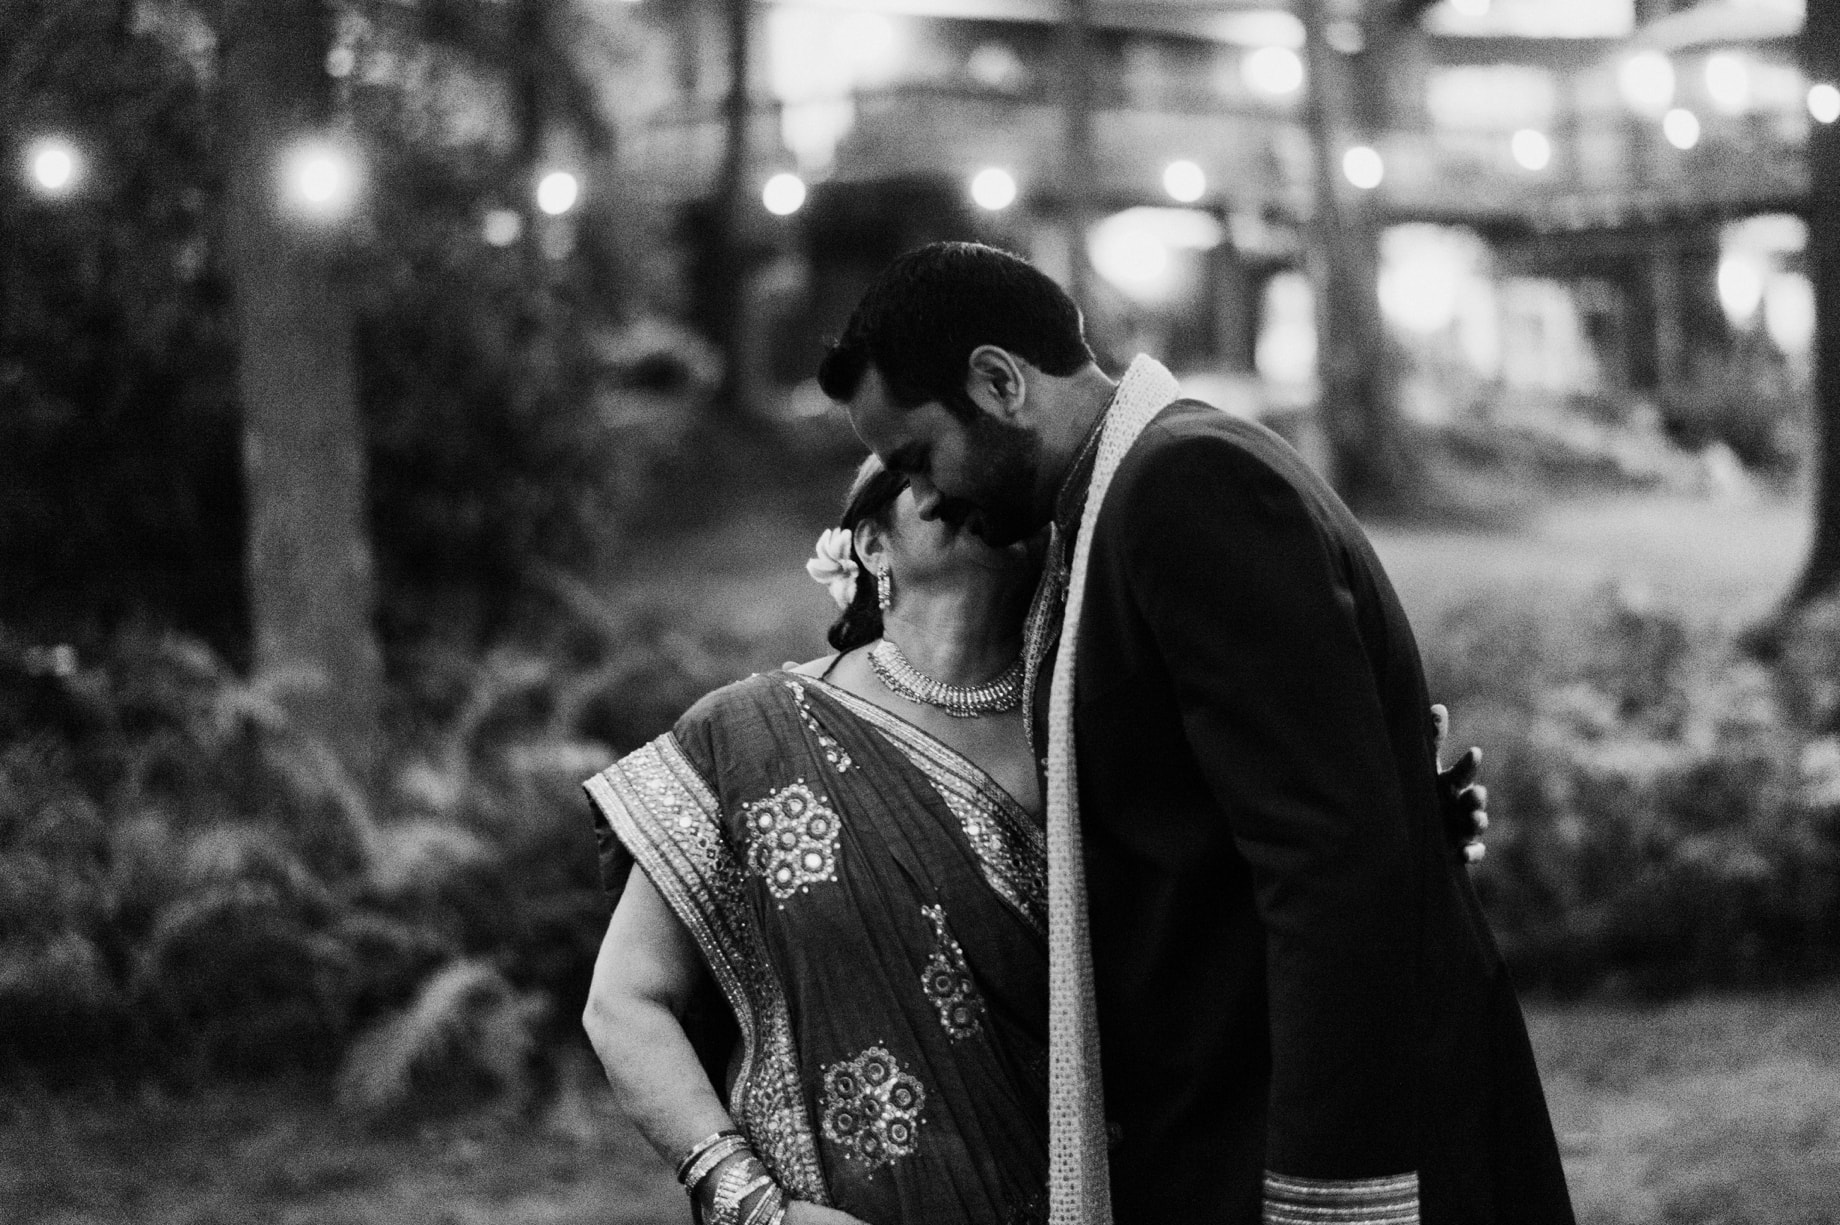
[1184, 181]
[503, 226]
[1728, 82]
[1647, 82]
[784, 194]
[558, 192]
[1681, 127]
[53, 166]
[1531, 149]
[1364, 167]
[1276, 71]
[320, 180]
[1824, 102]
[993, 189]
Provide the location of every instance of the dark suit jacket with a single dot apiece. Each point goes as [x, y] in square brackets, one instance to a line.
[1292, 970]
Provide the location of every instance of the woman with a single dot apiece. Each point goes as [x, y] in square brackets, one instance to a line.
[851, 851]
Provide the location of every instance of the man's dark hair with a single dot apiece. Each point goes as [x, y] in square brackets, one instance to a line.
[925, 313]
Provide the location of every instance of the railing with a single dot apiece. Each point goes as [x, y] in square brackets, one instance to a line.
[1604, 172]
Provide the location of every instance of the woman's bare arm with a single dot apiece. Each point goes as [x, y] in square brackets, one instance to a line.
[643, 979]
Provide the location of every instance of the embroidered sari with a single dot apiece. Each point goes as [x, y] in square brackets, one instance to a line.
[872, 907]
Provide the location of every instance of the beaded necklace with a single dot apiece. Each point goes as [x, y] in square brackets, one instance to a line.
[960, 701]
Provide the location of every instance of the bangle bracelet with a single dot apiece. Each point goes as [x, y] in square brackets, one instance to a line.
[712, 1158]
[769, 1209]
[702, 1146]
[732, 1190]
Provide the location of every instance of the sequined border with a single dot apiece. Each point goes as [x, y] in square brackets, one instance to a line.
[1011, 847]
[665, 814]
[834, 753]
[1341, 1201]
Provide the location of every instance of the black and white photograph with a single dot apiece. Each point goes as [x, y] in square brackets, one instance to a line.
[920, 612]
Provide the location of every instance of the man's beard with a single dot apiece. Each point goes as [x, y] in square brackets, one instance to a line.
[1006, 462]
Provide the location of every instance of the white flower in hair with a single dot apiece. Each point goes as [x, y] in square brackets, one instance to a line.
[832, 565]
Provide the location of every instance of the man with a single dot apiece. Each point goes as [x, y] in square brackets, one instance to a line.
[1300, 1011]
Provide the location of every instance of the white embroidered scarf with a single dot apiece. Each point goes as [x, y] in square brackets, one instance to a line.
[1079, 1174]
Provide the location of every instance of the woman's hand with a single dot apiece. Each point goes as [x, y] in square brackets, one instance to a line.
[798, 1212]
[1464, 800]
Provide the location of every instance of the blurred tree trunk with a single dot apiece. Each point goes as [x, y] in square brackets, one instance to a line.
[1373, 465]
[730, 256]
[1080, 167]
[1821, 56]
[309, 556]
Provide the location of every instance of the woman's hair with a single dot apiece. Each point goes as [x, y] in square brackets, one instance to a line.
[871, 497]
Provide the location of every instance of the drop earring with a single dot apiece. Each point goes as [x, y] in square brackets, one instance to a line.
[884, 587]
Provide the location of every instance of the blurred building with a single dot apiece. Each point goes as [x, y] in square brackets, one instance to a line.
[1580, 196]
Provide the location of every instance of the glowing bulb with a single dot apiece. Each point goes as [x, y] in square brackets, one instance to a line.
[1824, 103]
[1647, 81]
[783, 195]
[320, 180]
[1740, 288]
[1273, 70]
[1728, 82]
[54, 166]
[1184, 181]
[993, 189]
[558, 192]
[503, 226]
[1681, 127]
[1363, 167]
[1531, 149]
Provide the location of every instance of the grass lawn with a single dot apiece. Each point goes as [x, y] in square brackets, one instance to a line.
[1705, 1112]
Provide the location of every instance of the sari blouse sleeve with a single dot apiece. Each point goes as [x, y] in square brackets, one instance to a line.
[656, 808]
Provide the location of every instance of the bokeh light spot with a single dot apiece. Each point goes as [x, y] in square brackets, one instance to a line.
[1681, 127]
[1824, 102]
[993, 188]
[1531, 149]
[1273, 70]
[1364, 167]
[54, 166]
[1184, 181]
[558, 192]
[783, 194]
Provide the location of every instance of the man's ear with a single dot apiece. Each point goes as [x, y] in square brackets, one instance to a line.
[997, 381]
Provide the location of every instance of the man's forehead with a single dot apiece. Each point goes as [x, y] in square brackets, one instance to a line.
[880, 425]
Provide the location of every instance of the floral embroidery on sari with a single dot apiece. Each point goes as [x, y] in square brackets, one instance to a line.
[792, 839]
[1011, 847]
[946, 979]
[667, 817]
[872, 1108]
